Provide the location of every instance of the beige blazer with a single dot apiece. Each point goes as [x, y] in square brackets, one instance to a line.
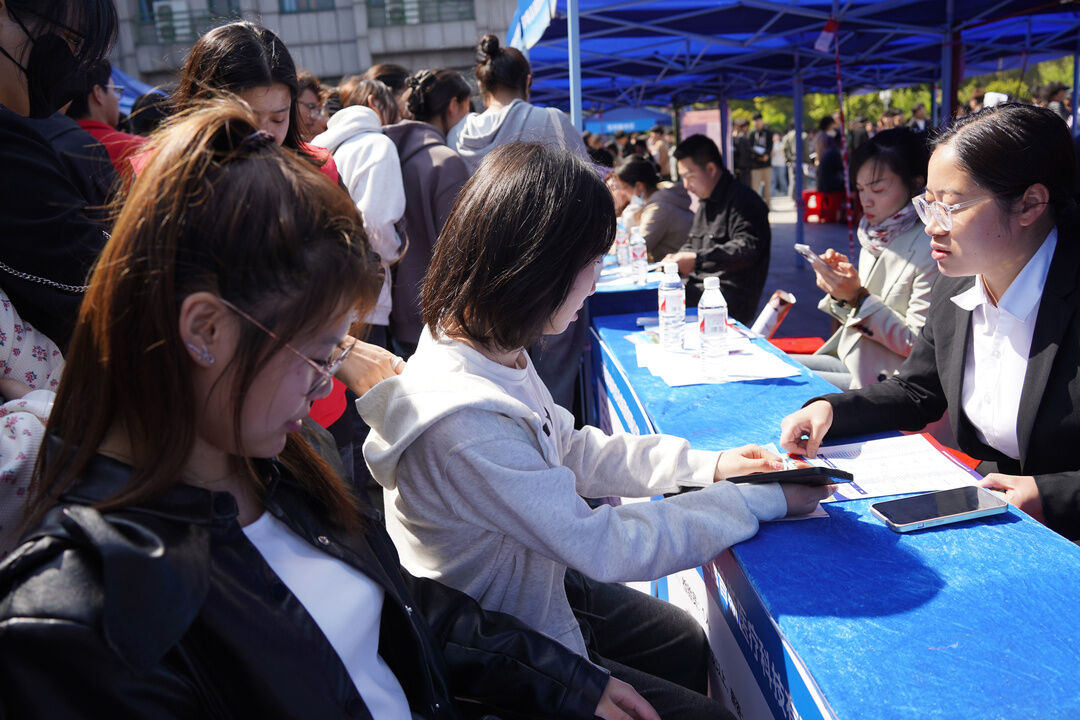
[874, 341]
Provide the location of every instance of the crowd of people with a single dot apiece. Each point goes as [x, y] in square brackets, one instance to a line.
[289, 376]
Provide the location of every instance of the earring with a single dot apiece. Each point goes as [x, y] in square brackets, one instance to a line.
[202, 354]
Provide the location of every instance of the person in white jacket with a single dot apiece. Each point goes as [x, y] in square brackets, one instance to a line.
[484, 473]
[368, 163]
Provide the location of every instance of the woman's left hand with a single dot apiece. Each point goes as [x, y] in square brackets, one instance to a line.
[1020, 490]
[746, 460]
[840, 279]
[368, 365]
[621, 701]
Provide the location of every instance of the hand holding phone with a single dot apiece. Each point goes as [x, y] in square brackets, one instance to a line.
[810, 255]
[938, 508]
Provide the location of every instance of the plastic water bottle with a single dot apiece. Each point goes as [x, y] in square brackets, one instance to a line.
[672, 299]
[639, 260]
[712, 320]
[622, 246]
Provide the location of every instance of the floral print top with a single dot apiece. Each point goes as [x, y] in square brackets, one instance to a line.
[29, 358]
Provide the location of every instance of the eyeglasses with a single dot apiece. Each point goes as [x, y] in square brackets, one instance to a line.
[313, 108]
[324, 371]
[939, 212]
[117, 90]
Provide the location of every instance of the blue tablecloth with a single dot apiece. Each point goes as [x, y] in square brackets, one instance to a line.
[971, 621]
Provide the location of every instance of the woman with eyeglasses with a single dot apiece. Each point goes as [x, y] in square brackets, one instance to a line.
[1000, 351]
[882, 305]
[188, 554]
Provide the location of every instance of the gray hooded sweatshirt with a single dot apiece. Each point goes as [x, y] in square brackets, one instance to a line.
[484, 490]
[480, 133]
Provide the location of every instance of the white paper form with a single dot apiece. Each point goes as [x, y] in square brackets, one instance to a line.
[893, 466]
[682, 367]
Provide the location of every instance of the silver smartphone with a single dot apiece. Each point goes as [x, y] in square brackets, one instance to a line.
[809, 254]
[938, 508]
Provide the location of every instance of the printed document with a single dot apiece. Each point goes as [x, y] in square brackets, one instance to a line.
[894, 466]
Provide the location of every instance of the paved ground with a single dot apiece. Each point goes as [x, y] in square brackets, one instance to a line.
[789, 271]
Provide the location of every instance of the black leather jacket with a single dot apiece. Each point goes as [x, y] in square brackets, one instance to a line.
[166, 610]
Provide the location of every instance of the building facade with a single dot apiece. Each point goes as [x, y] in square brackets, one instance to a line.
[330, 38]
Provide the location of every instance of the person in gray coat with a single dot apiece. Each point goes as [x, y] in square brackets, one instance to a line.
[433, 174]
[504, 77]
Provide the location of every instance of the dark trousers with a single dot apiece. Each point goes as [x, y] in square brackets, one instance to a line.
[651, 644]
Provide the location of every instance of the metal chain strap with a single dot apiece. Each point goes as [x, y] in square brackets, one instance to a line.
[46, 281]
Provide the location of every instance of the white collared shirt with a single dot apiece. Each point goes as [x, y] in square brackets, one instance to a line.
[996, 356]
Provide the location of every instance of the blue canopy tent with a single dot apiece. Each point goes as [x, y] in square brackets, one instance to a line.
[673, 52]
[132, 89]
[637, 119]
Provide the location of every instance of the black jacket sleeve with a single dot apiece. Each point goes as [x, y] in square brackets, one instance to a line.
[496, 659]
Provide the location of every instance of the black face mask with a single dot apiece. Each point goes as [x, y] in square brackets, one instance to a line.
[53, 77]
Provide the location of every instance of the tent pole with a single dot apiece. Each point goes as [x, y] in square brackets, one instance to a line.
[797, 175]
[1076, 91]
[725, 132]
[574, 48]
[676, 129]
[948, 92]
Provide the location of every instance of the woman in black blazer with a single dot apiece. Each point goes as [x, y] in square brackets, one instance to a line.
[1000, 351]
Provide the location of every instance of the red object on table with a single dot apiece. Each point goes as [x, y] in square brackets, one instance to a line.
[798, 345]
[327, 410]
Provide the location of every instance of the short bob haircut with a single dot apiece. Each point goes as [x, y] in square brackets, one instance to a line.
[1008, 148]
[522, 228]
[218, 208]
[901, 150]
[237, 57]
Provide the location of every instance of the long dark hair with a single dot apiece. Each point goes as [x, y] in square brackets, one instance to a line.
[1008, 148]
[520, 231]
[214, 212]
[236, 57]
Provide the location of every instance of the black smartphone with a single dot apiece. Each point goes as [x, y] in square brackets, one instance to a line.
[812, 475]
[938, 508]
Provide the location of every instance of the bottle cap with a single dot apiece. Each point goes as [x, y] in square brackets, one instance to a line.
[672, 268]
[712, 283]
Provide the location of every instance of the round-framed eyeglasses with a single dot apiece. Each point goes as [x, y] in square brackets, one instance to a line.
[939, 212]
[324, 372]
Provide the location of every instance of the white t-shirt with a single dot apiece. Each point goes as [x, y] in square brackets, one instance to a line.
[343, 602]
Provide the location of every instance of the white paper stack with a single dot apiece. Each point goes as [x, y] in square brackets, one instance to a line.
[746, 361]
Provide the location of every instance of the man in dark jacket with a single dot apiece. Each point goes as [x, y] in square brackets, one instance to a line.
[730, 236]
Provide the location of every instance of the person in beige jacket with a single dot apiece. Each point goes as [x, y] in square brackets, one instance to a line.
[661, 210]
[882, 306]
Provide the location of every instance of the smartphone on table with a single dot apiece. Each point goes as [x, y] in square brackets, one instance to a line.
[938, 508]
[809, 475]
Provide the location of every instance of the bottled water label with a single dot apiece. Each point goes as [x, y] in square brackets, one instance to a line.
[712, 322]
